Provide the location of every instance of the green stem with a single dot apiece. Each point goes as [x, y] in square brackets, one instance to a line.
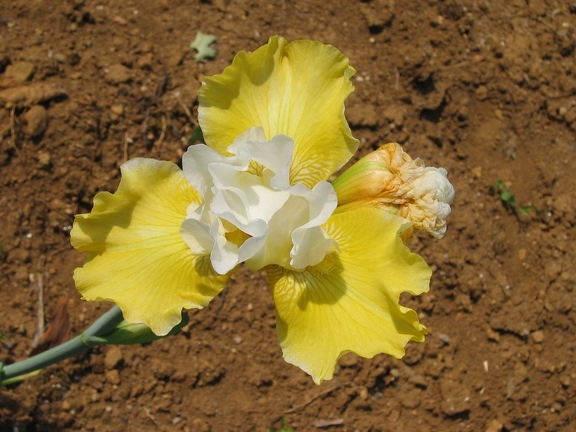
[102, 326]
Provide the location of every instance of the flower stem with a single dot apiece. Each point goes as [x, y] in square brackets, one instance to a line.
[102, 326]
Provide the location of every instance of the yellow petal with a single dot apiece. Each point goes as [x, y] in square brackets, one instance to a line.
[350, 301]
[136, 255]
[296, 89]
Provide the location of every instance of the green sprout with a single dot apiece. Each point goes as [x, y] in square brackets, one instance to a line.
[203, 44]
[282, 427]
[509, 200]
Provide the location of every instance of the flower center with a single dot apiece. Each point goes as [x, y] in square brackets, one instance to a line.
[251, 213]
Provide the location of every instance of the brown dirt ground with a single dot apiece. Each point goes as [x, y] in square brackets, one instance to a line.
[485, 89]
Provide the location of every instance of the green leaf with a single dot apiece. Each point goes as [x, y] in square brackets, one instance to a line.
[196, 137]
[202, 44]
[525, 209]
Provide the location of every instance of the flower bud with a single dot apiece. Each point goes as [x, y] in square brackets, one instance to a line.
[128, 334]
[390, 178]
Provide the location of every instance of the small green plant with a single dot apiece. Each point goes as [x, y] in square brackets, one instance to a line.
[509, 200]
[203, 45]
[283, 427]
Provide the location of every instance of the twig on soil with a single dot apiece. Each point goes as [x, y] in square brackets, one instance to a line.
[127, 140]
[158, 143]
[40, 314]
[150, 416]
[13, 126]
[185, 108]
[313, 398]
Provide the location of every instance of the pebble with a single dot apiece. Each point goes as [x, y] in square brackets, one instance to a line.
[481, 92]
[201, 425]
[37, 121]
[494, 426]
[117, 109]
[113, 357]
[410, 399]
[112, 376]
[477, 172]
[43, 160]
[20, 71]
[538, 336]
[118, 74]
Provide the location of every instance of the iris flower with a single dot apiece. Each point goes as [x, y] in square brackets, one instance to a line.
[258, 193]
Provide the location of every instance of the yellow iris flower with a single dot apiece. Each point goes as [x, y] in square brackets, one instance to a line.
[275, 130]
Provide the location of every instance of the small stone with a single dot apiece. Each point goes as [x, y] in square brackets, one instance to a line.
[477, 172]
[113, 357]
[112, 376]
[201, 425]
[538, 336]
[411, 399]
[60, 58]
[494, 426]
[20, 71]
[119, 20]
[444, 338]
[491, 334]
[43, 160]
[522, 254]
[37, 121]
[118, 74]
[418, 380]
[117, 109]
[481, 92]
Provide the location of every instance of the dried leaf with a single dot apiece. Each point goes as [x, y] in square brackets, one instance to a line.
[58, 328]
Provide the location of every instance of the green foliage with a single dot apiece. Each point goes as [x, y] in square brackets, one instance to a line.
[509, 200]
[283, 427]
[203, 44]
[196, 137]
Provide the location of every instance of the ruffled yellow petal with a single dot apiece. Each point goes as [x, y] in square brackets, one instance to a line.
[136, 255]
[350, 302]
[296, 89]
